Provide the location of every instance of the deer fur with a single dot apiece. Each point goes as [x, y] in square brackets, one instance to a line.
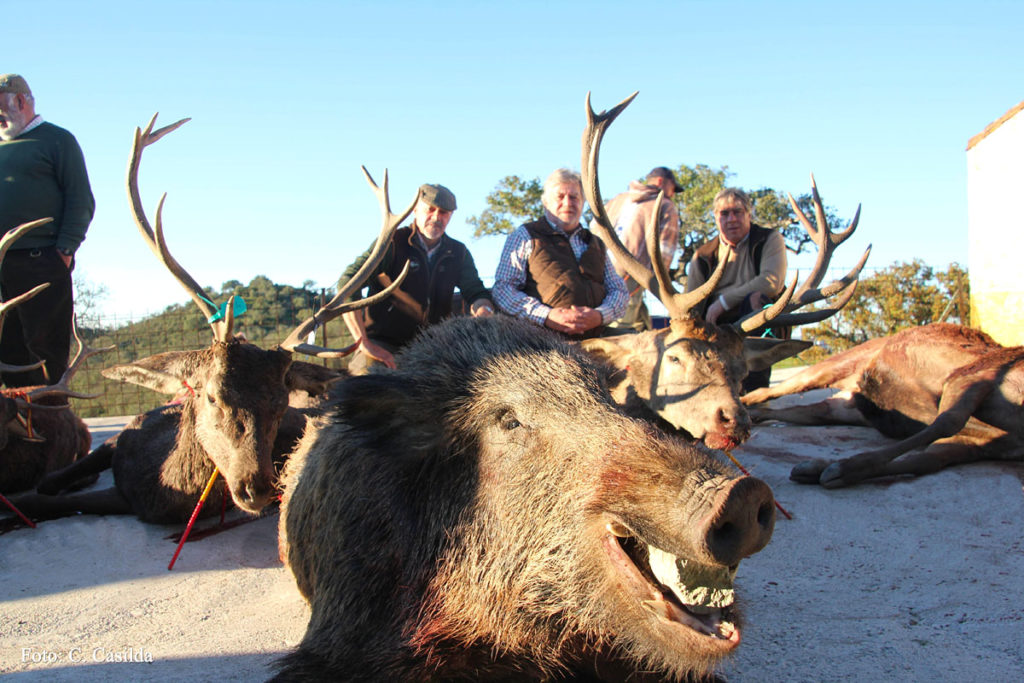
[950, 394]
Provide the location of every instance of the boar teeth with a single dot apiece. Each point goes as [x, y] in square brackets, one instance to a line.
[616, 529]
[702, 589]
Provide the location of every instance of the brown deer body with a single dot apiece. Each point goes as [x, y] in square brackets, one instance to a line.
[950, 393]
[689, 374]
[234, 415]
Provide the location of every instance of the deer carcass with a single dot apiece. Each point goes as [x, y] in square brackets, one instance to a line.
[231, 415]
[689, 373]
[952, 395]
[38, 431]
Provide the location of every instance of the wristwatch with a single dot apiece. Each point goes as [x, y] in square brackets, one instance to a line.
[65, 251]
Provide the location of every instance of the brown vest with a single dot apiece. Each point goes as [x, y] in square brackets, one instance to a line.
[553, 274]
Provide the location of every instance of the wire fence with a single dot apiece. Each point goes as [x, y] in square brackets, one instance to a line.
[185, 330]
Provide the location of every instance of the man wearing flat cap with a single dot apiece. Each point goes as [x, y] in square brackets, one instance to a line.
[437, 265]
[42, 175]
[630, 212]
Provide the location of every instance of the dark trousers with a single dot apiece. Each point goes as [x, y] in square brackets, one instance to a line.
[40, 328]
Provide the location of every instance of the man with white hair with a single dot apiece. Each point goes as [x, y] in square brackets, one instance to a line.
[556, 273]
[43, 176]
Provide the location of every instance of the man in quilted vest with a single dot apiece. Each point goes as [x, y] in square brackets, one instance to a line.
[556, 273]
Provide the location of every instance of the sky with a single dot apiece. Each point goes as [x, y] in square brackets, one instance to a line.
[287, 100]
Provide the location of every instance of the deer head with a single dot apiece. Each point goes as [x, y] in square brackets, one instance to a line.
[689, 373]
[236, 393]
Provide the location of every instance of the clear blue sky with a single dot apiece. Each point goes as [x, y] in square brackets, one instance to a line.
[878, 99]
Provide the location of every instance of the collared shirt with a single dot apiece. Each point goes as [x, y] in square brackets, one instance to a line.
[430, 251]
[34, 123]
[510, 278]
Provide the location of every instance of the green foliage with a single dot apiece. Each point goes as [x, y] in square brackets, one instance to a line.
[272, 312]
[899, 296]
[696, 221]
[513, 202]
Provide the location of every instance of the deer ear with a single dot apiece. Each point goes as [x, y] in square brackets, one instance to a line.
[762, 352]
[163, 372]
[311, 378]
[614, 351]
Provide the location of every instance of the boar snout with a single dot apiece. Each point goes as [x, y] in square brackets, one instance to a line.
[741, 522]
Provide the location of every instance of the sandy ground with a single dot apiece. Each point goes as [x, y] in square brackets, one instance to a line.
[906, 580]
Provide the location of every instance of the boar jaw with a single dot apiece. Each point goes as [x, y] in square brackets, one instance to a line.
[659, 588]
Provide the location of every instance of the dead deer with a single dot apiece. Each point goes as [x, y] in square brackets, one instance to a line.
[38, 431]
[952, 394]
[231, 416]
[688, 374]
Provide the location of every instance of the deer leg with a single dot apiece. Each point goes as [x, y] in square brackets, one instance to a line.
[104, 502]
[71, 476]
[960, 399]
[943, 454]
[841, 371]
[838, 409]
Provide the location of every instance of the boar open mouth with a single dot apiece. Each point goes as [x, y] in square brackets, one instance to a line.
[677, 592]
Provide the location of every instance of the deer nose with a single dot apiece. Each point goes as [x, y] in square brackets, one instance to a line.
[253, 495]
[734, 421]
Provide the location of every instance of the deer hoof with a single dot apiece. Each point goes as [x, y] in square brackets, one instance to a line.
[833, 477]
[808, 472]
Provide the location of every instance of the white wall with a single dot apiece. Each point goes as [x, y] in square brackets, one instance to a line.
[995, 215]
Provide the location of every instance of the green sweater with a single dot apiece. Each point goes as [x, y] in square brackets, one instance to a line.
[42, 175]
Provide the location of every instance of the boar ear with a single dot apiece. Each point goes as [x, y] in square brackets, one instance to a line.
[163, 372]
[311, 378]
[382, 408]
[762, 352]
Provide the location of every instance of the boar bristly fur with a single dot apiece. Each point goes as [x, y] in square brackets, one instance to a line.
[485, 512]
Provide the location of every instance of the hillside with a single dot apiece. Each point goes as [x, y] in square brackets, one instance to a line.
[272, 311]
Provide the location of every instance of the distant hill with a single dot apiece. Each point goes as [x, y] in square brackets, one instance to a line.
[273, 310]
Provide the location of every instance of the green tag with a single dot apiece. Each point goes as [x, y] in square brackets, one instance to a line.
[240, 309]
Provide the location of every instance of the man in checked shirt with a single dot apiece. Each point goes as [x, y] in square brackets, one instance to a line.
[556, 273]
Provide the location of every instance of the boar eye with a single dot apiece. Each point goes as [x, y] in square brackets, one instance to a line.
[508, 421]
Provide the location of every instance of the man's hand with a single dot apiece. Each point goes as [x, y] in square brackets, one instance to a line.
[714, 311]
[379, 354]
[482, 309]
[66, 258]
[574, 320]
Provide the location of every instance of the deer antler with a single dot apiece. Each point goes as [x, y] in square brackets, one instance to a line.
[6, 241]
[155, 239]
[337, 305]
[62, 387]
[658, 282]
[782, 313]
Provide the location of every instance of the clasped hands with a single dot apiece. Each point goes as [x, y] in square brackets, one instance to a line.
[573, 319]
